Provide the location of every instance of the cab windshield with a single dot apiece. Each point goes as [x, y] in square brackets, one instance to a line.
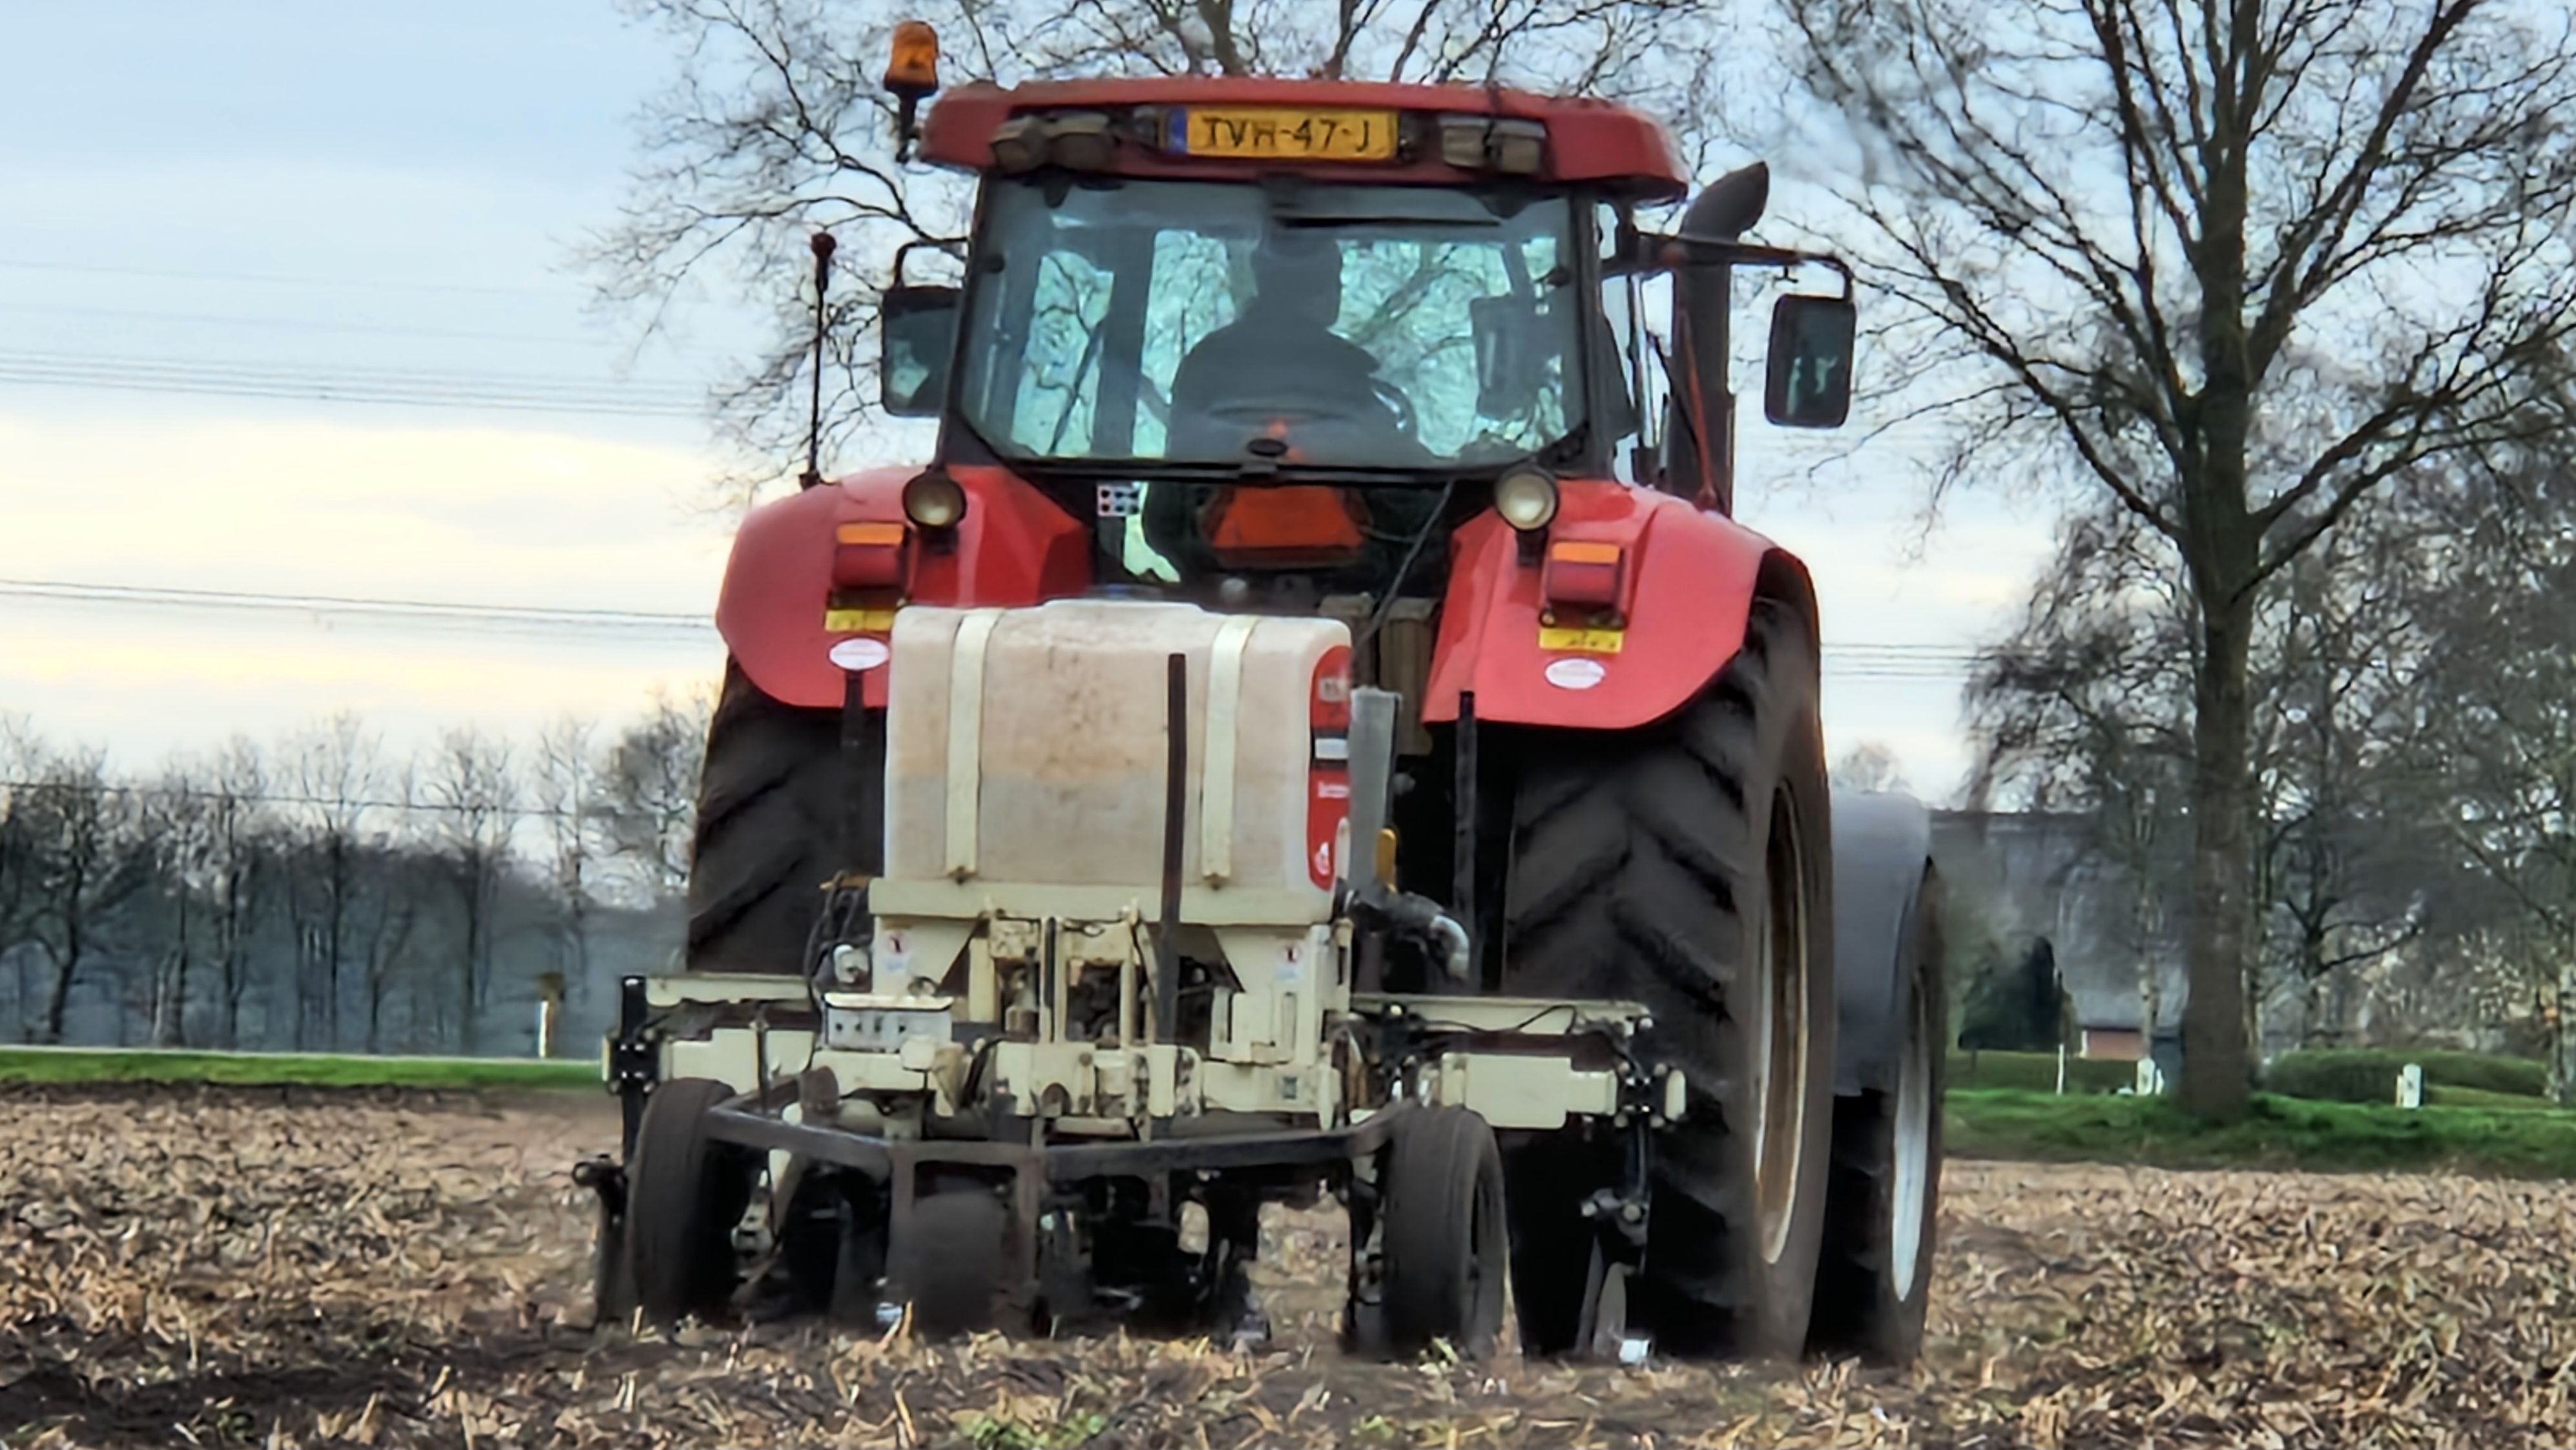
[1189, 322]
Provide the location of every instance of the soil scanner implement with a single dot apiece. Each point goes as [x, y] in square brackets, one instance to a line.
[1315, 728]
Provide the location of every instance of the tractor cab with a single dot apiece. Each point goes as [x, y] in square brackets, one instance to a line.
[1269, 338]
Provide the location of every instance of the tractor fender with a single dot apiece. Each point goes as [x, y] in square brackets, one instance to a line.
[1689, 577]
[1882, 843]
[1014, 547]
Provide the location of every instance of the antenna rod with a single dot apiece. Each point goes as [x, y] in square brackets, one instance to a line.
[814, 412]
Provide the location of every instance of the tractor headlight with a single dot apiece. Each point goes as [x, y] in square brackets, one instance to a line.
[1526, 498]
[934, 501]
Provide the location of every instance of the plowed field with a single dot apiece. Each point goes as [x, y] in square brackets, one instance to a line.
[308, 1267]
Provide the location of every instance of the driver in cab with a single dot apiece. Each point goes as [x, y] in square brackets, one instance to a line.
[1279, 360]
[1279, 371]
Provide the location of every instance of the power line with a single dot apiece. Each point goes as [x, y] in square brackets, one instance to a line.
[403, 387]
[620, 619]
[1889, 660]
[372, 284]
[273, 798]
[292, 324]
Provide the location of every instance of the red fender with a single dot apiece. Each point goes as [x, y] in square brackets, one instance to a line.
[1689, 579]
[1012, 548]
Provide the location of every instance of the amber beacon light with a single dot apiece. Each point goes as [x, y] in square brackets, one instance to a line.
[912, 74]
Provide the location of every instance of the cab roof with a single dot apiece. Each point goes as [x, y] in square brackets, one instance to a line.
[1587, 140]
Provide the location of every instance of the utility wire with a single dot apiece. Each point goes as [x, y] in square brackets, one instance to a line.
[621, 619]
[371, 284]
[272, 798]
[303, 324]
[1879, 661]
[407, 387]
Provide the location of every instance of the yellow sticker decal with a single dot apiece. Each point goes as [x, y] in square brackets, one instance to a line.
[1583, 641]
[857, 621]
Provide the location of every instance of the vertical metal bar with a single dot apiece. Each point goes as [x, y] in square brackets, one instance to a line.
[813, 475]
[630, 1060]
[862, 779]
[1176, 784]
[1462, 891]
[862, 855]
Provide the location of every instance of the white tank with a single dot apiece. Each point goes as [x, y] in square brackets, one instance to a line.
[1026, 747]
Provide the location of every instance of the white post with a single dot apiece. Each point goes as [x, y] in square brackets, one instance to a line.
[545, 1028]
[2410, 1085]
[2061, 1069]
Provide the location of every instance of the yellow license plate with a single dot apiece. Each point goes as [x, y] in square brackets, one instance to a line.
[1585, 641]
[1273, 134]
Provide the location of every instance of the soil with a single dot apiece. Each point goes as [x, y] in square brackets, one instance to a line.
[309, 1267]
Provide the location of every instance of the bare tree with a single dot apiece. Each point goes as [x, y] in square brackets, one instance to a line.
[243, 845]
[778, 126]
[88, 863]
[650, 790]
[473, 785]
[2351, 862]
[336, 772]
[180, 842]
[21, 861]
[1869, 766]
[2502, 714]
[399, 876]
[2237, 264]
[567, 793]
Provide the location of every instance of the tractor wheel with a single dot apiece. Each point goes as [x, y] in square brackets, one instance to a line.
[1883, 1206]
[1684, 866]
[769, 798]
[685, 1192]
[1445, 1245]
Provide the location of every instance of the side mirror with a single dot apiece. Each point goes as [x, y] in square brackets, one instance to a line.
[917, 334]
[1808, 378]
[1502, 332]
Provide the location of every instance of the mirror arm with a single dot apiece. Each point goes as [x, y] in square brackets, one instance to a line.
[953, 246]
[1654, 248]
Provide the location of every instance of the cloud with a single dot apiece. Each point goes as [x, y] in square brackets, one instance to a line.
[469, 515]
[480, 515]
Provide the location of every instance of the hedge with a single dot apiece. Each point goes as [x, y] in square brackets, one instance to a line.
[2369, 1074]
[2037, 1072]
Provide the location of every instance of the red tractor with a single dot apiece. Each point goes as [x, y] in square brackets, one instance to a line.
[1314, 727]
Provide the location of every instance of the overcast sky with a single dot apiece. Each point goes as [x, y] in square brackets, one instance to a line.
[216, 212]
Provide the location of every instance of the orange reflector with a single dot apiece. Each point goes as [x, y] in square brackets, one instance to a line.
[867, 556]
[1303, 524]
[1582, 574]
[914, 70]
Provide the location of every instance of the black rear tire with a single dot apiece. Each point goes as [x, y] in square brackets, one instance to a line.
[1446, 1248]
[1685, 865]
[769, 803]
[1883, 1203]
[685, 1192]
